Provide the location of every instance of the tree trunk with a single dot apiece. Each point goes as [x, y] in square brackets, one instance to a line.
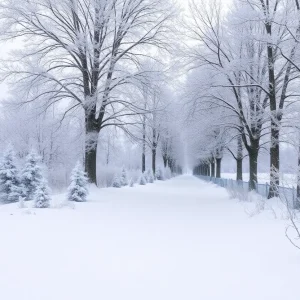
[91, 142]
[212, 169]
[239, 169]
[253, 155]
[154, 160]
[218, 160]
[165, 159]
[297, 204]
[274, 161]
[239, 159]
[144, 146]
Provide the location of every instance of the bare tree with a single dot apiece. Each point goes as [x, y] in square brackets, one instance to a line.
[82, 52]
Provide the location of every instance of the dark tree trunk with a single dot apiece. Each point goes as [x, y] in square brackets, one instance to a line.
[212, 169]
[91, 142]
[154, 160]
[274, 161]
[297, 203]
[165, 159]
[144, 146]
[219, 161]
[143, 162]
[91, 164]
[239, 159]
[253, 155]
[239, 169]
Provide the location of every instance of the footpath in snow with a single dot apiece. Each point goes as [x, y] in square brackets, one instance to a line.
[182, 239]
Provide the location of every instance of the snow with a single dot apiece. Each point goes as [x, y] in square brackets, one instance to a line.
[287, 180]
[177, 239]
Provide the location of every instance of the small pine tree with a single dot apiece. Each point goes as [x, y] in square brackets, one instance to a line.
[9, 180]
[78, 188]
[42, 195]
[150, 176]
[159, 174]
[142, 180]
[31, 175]
[124, 178]
[116, 182]
[131, 183]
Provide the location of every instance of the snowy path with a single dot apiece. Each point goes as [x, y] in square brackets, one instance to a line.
[181, 239]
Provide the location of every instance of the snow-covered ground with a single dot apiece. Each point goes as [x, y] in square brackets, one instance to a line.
[288, 180]
[182, 239]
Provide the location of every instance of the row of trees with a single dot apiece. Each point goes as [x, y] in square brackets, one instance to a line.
[242, 91]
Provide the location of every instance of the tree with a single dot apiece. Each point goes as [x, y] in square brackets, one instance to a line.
[10, 190]
[78, 188]
[116, 182]
[31, 175]
[82, 52]
[142, 180]
[150, 176]
[159, 175]
[124, 177]
[42, 195]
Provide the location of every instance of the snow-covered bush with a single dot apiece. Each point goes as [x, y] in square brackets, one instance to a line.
[142, 180]
[131, 183]
[31, 175]
[78, 188]
[21, 202]
[150, 176]
[167, 173]
[159, 175]
[42, 195]
[9, 178]
[124, 178]
[116, 183]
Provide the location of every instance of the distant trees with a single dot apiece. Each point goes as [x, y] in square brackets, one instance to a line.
[243, 65]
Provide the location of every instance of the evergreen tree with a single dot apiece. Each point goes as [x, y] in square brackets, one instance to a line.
[124, 178]
[78, 189]
[31, 175]
[131, 183]
[9, 178]
[150, 176]
[159, 174]
[116, 183]
[142, 180]
[42, 195]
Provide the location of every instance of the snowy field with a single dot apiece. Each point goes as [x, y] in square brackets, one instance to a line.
[181, 239]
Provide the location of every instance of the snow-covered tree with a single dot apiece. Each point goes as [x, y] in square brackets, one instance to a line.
[131, 183]
[124, 177]
[159, 175]
[150, 176]
[9, 178]
[142, 180]
[78, 188]
[31, 175]
[42, 196]
[116, 182]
